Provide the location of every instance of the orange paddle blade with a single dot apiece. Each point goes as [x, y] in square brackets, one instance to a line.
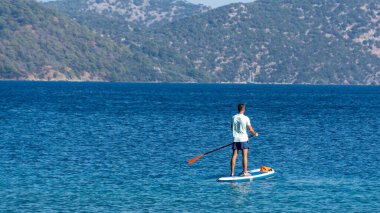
[195, 159]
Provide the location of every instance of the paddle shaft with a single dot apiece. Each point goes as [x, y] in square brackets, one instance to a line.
[214, 150]
[222, 147]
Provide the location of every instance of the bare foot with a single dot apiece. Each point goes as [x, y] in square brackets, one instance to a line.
[246, 174]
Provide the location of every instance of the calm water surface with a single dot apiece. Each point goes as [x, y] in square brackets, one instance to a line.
[110, 147]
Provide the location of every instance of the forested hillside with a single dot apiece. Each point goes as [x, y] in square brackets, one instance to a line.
[266, 41]
[128, 15]
[284, 41]
[37, 43]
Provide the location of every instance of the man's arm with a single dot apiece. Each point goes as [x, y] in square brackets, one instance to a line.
[252, 131]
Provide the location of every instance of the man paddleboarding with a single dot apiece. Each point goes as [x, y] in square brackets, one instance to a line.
[239, 125]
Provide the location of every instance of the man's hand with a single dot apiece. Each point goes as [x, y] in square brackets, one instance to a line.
[253, 131]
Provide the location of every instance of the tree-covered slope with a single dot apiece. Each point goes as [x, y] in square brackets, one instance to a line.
[283, 41]
[271, 41]
[37, 43]
[116, 18]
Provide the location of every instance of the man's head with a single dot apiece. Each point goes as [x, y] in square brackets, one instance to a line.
[241, 108]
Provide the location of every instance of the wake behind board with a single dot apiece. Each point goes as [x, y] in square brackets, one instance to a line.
[256, 175]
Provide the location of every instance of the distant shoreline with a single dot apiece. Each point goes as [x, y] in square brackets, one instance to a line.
[162, 82]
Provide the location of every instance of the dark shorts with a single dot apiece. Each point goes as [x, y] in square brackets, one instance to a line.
[240, 145]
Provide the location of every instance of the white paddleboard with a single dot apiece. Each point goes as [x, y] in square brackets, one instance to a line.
[256, 175]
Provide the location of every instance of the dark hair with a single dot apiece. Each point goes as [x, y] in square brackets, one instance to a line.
[240, 107]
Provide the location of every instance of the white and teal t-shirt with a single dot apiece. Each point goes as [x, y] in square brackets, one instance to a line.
[239, 125]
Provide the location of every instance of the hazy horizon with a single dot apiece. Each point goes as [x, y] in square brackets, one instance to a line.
[212, 3]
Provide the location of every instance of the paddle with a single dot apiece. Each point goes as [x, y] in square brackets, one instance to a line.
[214, 150]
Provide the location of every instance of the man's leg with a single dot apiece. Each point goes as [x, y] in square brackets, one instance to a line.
[245, 160]
[233, 161]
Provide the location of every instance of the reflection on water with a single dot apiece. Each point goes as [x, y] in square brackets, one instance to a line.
[241, 188]
[240, 192]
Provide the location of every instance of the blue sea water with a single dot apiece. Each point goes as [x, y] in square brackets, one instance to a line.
[117, 147]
